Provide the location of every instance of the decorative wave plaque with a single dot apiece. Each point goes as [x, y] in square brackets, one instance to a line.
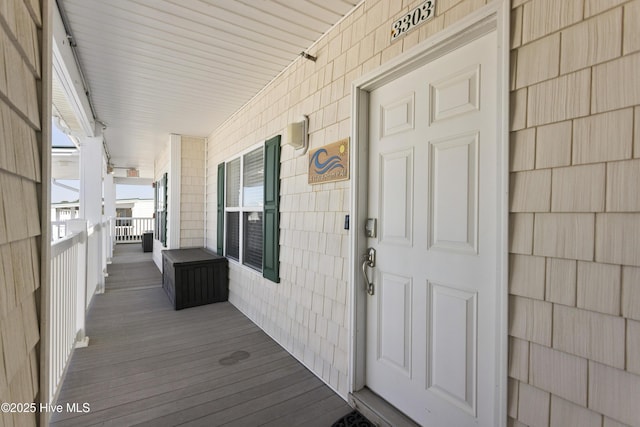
[329, 163]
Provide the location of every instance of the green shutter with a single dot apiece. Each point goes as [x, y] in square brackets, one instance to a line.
[221, 209]
[271, 222]
[165, 208]
[156, 212]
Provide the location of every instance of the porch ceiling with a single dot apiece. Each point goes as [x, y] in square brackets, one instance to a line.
[156, 67]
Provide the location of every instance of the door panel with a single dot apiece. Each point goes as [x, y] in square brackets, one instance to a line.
[396, 197]
[455, 95]
[394, 322]
[452, 351]
[431, 323]
[397, 116]
[453, 193]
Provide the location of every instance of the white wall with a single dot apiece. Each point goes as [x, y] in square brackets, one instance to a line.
[142, 209]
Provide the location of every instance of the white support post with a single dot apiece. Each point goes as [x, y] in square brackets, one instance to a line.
[91, 179]
[109, 212]
[80, 226]
[91, 168]
[174, 190]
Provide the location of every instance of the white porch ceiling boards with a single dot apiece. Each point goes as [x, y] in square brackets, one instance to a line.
[156, 67]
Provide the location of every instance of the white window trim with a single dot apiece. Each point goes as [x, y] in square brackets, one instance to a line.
[240, 262]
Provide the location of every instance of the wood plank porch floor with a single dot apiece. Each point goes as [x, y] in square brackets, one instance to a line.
[149, 365]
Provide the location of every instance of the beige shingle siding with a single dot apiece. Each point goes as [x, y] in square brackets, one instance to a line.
[543, 17]
[564, 235]
[561, 98]
[633, 346]
[530, 191]
[553, 145]
[519, 359]
[608, 89]
[521, 232]
[530, 319]
[192, 192]
[603, 137]
[20, 173]
[522, 150]
[526, 276]
[560, 373]
[566, 414]
[592, 41]
[631, 292]
[575, 109]
[599, 287]
[614, 393]
[622, 197]
[533, 405]
[561, 281]
[578, 188]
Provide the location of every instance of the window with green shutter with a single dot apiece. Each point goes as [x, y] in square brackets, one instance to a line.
[248, 208]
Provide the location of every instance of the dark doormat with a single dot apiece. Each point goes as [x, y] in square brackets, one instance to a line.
[353, 419]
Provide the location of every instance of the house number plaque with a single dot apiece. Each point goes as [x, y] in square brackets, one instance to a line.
[413, 19]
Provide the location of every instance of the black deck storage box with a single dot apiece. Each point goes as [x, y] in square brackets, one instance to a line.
[194, 276]
[147, 241]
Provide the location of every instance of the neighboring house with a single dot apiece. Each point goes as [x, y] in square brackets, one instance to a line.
[125, 208]
[497, 148]
[64, 211]
[134, 208]
[60, 214]
[130, 208]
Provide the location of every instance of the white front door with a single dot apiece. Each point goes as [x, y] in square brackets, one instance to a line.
[432, 321]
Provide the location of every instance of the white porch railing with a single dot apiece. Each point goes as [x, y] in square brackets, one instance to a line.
[78, 266]
[130, 230]
[67, 296]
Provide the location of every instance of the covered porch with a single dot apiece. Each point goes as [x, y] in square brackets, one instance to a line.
[210, 365]
[186, 97]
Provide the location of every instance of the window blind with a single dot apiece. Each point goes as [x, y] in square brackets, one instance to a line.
[252, 178]
[233, 183]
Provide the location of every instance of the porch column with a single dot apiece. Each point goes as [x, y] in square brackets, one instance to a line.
[173, 192]
[109, 213]
[91, 170]
[91, 165]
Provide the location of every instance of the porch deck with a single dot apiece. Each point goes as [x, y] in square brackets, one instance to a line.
[204, 366]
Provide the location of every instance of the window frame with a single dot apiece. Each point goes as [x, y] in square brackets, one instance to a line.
[242, 209]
